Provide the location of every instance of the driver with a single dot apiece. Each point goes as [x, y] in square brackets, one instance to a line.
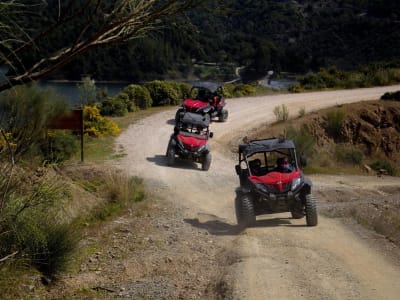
[283, 165]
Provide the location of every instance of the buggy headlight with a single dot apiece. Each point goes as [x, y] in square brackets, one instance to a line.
[296, 183]
[201, 148]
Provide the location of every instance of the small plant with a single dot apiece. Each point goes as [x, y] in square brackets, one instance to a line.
[335, 120]
[87, 91]
[281, 113]
[303, 140]
[302, 112]
[351, 156]
[385, 165]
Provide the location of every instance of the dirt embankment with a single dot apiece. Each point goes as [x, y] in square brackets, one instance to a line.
[186, 244]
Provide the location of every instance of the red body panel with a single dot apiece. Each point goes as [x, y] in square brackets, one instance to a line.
[192, 142]
[194, 104]
[276, 179]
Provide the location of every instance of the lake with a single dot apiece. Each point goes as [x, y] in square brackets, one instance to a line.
[70, 90]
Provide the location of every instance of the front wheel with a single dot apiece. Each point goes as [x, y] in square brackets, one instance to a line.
[170, 155]
[178, 115]
[311, 210]
[205, 165]
[244, 208]
[223, 116]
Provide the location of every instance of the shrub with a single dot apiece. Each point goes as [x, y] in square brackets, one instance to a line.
[87, 91]
[115, 107]
[96, 125]
[312, 81]
[377, 165]
[238, 90]
[119, 190]
[391, 96]
[346, 155]
[163, 93]
[139, 95]
[281, 113]
[303, 140]
[335, 120]
[31, 223]
[302, 112]
[24, 114]
[59, 147]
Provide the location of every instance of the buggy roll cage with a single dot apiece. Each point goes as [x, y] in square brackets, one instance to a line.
[264, 146]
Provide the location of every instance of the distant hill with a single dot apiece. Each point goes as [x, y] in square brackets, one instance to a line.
[262, 35]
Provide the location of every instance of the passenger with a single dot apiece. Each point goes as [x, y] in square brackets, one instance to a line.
[255, 167]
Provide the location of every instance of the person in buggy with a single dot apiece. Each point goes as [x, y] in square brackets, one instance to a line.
[283, 165]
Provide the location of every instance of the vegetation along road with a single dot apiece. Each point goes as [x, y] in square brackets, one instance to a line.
[279, 258]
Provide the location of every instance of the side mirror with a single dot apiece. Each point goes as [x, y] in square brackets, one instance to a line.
[211, 134]
[238, 170]
[303, 160]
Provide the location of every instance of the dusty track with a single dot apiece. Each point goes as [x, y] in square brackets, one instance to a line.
[280, 258]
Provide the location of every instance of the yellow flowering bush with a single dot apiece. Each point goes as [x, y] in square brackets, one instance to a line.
[96, 125]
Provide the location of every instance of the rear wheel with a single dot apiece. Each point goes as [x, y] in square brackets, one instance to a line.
[170, 155]
[311, 210]
[205, 165]
[245, 211]
[223, 116]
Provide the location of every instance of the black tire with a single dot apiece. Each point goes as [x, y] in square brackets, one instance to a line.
[178, 116]
[311, 210]
[223, 116]
[297, 214]
[205, 165]
[170, 155]
[245, 211]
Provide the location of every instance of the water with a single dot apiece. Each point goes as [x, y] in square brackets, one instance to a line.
[70, 90]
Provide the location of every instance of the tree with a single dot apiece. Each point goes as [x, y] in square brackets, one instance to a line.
[72, 28]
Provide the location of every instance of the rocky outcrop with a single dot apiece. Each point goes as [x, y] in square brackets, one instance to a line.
[376, 126]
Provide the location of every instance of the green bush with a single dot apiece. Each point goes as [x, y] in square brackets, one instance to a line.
[59, 147]
[25, 112]
[114, 107]
[391, 96]
[377, 165]
[346, 155]
[163, 93]
[238, 90]
[303, 140]
[139, 95]
[31, 220]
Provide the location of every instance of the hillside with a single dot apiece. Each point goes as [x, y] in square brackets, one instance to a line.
[284, 36]
[369, 128]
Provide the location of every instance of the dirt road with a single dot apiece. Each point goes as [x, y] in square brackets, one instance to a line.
[280, 258]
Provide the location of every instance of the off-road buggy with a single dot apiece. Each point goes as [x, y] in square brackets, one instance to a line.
[190, 140]
[268, 185]
[204, 99]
